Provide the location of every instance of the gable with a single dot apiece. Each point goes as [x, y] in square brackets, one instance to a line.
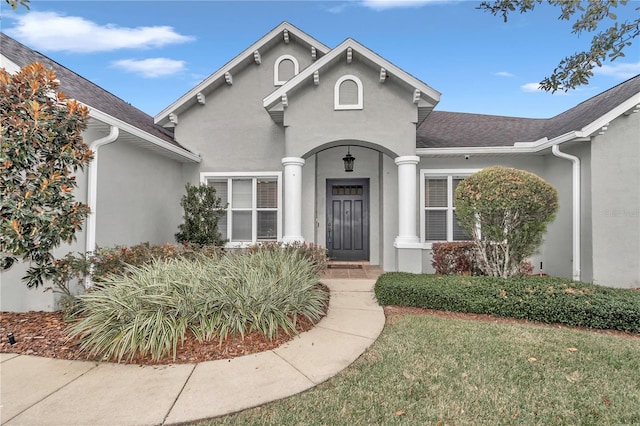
[283, 34]
[350, 52]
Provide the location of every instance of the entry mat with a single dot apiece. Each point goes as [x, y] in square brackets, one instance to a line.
[343, 266]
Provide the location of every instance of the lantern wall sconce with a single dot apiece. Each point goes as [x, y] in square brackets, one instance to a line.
[348, 161]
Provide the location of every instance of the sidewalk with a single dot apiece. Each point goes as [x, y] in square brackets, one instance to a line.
[43, 391]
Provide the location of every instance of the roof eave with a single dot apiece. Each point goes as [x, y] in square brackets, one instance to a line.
[171, 150]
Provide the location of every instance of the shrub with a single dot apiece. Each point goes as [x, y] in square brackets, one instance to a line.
[544, 299]
[202, 210]
[507, 212]
[115, 260]
[454, 258]
[150, 308]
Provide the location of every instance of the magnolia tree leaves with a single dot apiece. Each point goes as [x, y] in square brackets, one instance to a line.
[42, 149]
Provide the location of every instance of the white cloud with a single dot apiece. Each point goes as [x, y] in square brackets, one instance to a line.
[390, 4]
[50, 31]
[535, 88]
[504, 74]
[531, 87]
[153, 67]
[619, 71]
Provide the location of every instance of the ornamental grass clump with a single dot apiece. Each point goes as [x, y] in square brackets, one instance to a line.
[152, 309]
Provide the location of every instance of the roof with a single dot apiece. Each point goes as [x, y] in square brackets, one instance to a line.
[242, 60]
[454, 130]
[427, 96]
[90, 94]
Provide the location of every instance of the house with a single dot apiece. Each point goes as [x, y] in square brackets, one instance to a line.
[273, 129]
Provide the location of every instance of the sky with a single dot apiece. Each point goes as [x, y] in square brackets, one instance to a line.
[149, 53]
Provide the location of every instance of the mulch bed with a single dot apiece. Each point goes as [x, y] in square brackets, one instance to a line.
[42, 334]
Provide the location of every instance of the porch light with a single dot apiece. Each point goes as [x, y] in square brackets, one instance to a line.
[348, 161]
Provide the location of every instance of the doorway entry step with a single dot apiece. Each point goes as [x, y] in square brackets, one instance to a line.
[351, 270]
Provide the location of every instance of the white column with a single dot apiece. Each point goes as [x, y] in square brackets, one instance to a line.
[292, 199]
[407, 204]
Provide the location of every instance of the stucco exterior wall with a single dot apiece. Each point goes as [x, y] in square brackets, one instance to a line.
[531, 163]
[138, 196]
[387, 119]
[331, 166]
[232, 131]
[389, 209]
[616, 204]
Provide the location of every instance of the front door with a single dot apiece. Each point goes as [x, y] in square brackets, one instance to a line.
[348, 219]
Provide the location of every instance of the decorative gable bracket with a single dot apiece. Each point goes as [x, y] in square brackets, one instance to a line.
[383, 75]
[416, 96]
[633, 110]
[228, 78]
[286, 36]
[604, 129]
[173, 118]
[256, 57]
[349, 55]
[316, 77]
[200, 98]
[285, 101]
[314, 53]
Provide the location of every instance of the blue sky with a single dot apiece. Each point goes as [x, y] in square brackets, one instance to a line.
[149, 53]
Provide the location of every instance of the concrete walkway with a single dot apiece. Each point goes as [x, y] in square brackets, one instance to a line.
[43, 391]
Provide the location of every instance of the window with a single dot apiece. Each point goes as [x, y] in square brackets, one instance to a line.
[285, 68]
[253, 206]
[438, 220]
[348, 93]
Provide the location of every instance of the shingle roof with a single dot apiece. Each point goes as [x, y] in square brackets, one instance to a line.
[452, 129]
[83, 90]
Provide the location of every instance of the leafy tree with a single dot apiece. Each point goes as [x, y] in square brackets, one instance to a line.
[42, 148]
[202, 210]
[14, 3]
[575, 70]
[506, 211]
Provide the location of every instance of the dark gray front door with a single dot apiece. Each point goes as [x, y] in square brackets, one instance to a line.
[348, 219]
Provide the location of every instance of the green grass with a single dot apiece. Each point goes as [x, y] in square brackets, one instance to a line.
[425, 370]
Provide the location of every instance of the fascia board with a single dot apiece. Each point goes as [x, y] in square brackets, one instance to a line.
[497, 150]
[598, 124]
[275, 96]
[517, 148]
[108, 119]
[10, 66]
[162, 116]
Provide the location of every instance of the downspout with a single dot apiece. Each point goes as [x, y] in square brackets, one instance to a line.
[576, 207]
[92, 191]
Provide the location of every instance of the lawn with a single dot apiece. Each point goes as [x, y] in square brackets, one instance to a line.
[442, 371]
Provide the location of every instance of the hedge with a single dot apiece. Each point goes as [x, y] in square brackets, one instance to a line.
[542, 299]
